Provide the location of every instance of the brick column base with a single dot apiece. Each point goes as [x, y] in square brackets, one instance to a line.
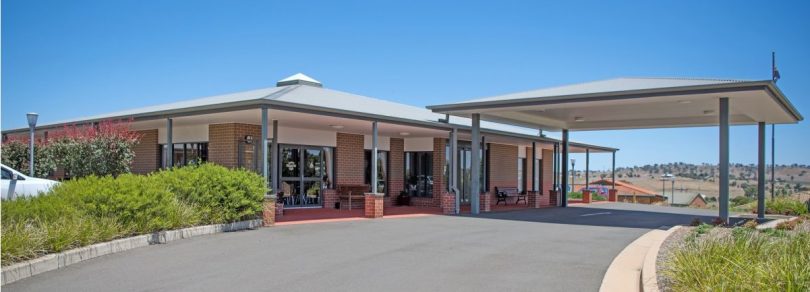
[279, 209]
[448, 203]
[374, 205]
[612, 195]
[534, 199]
[586, 196]
[552, 197]
[269, 211]
[486, 202]
[330, 197]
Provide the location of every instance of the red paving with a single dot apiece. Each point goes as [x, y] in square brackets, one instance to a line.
[318, 215]
[321, 215]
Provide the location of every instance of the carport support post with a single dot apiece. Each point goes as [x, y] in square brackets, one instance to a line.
[587, 166]
[263, 162]
[374, 149]
[454, 169]
[169, 145]
[475, 164]
[723, 160]
[761, 173]
[564, 164]
[613, 170]
[274, 169]
[534, 165]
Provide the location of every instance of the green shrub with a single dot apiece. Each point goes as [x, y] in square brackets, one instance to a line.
[218, 194]
[785, 206]
[743, 261]
[575, 195]
[741, 200]
[95, 209]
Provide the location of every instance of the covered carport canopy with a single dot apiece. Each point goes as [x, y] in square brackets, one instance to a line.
[638, 103]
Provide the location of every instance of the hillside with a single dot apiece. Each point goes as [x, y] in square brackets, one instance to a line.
[691, 179]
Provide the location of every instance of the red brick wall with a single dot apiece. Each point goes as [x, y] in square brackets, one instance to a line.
[548, 177]
[223, 141]
[396, 173]
[147, 153]
[502, 166]
[350, 156]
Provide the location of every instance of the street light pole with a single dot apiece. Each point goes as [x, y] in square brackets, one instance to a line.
[573, 172]
[32, 123]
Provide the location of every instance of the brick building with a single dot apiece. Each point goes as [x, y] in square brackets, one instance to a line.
[319, 143]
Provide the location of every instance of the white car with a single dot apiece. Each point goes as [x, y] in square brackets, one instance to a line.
[15, 184]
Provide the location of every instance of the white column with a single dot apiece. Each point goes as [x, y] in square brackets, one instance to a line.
[475, 175]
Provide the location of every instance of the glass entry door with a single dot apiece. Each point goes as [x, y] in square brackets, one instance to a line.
[464, 171]
[302, 174]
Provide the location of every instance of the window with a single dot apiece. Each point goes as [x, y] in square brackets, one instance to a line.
[185, 154]
[382, 170]
[419, 174]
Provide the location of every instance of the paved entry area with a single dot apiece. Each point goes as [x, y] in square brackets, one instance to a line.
[557, 249]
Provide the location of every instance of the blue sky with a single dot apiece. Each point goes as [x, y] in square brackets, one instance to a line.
[66, 59]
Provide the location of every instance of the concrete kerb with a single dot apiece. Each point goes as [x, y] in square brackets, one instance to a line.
[63, 259]
[626, 272]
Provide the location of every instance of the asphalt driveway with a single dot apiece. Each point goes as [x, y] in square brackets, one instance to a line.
[558, 249]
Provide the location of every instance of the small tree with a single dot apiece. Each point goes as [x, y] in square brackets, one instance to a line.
[105, 149]
[15, 155]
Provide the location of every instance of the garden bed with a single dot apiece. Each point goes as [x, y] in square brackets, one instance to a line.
[707, 258]
[91, 210]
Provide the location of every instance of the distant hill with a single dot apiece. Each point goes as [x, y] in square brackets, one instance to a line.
[702, 178]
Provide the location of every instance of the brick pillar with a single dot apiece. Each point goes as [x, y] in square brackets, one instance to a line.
[586, 196]
[448, 203]
[269, 211]
[552, 198]
[486, 202]
[374, 205]
[147, 153]
[534, 199]
[396, 173]
[350, 156]
[612, 195]
[439, 164]
[330, 197]
[502, 166]
[548, 177]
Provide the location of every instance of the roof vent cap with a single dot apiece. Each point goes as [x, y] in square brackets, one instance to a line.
[299, 79]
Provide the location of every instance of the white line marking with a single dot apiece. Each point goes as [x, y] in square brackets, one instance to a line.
[594, 214]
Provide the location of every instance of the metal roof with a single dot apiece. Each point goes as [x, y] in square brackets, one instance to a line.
[629, 103]
[312, 99]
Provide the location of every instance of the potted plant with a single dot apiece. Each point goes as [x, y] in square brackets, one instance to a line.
[404, 199]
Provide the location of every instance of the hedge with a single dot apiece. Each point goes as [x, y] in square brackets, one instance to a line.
[95, 209]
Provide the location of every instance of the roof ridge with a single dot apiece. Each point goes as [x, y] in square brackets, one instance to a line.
[683, 78]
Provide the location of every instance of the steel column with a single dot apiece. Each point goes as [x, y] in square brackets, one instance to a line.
[169, 144]
[374, 157]
[587, 166]
[564, 164]
[761, 172]
[723, 181]
[475, 175]
[454, 168]
[534, 165]
[265, 128]
[275, 164]
[613, 169]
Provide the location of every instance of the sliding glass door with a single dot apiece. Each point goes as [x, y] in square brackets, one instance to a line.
[303, 175]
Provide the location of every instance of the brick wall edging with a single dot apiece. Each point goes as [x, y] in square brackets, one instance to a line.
[63, 259]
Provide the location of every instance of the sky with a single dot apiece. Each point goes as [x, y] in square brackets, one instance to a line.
[68, 59]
